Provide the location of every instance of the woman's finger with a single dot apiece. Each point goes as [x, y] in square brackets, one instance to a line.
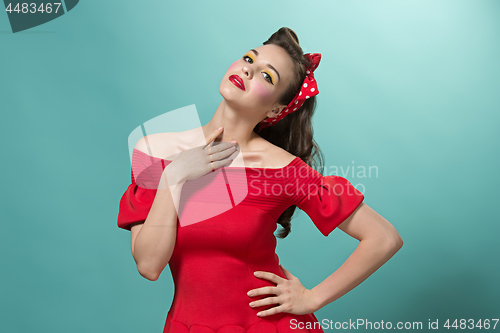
[222, 163]
[223, 151]
[211, 138]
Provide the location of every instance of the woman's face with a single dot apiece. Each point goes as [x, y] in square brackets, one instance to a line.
[265, 72]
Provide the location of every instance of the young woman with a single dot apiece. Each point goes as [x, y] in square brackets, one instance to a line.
[219, 240]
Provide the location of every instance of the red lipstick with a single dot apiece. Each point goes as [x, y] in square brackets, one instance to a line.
[237, 81]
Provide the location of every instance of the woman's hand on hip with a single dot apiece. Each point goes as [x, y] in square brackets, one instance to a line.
[290, 294]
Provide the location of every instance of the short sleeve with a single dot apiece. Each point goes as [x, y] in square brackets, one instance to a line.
[329, 201]
[134, 206]
[138, 198]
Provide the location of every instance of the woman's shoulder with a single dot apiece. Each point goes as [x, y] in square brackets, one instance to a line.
[276, 157]
[163, 145]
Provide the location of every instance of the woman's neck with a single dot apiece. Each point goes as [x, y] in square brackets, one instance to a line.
[235, 128]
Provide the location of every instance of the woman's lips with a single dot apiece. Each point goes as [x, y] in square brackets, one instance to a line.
[237, 81]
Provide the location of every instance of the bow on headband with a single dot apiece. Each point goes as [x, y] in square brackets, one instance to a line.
[308, 89]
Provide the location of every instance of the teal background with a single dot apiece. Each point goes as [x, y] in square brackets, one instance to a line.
[411, 87]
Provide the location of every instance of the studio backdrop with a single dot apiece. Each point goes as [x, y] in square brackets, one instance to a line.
[408, 112]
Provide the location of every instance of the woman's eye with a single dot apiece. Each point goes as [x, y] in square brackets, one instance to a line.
[268, 77]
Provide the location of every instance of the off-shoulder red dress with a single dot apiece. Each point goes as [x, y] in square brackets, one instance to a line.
[214, 259]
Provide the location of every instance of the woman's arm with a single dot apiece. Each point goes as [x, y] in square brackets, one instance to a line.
[379, 241]
[153, 241]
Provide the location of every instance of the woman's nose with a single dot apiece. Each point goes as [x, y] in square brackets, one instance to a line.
[246, 71]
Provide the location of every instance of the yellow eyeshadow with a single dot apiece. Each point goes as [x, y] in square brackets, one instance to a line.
[268, 73]
[272, 77]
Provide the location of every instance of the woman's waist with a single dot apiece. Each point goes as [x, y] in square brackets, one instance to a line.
[215, 278]
[196, 269]
[220, 286]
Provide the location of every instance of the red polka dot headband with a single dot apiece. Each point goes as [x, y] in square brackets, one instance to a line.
[309, 88]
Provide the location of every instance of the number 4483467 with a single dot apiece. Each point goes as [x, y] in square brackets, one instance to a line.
[32, 8]
[470, 324]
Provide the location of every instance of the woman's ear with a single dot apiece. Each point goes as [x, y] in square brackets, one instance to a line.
[275, 112]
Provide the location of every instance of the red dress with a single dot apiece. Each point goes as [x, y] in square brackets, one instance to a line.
[214, 259]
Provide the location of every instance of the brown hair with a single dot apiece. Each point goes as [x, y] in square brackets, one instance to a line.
[294, 133]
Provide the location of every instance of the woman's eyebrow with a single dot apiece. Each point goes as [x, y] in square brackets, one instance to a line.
[268, 65]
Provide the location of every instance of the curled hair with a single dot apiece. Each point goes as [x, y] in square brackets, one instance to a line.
[293, 133]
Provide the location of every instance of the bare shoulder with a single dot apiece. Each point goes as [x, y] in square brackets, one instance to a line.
[277, 157]
[164, 145]
[168, 144]
[155, 144]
